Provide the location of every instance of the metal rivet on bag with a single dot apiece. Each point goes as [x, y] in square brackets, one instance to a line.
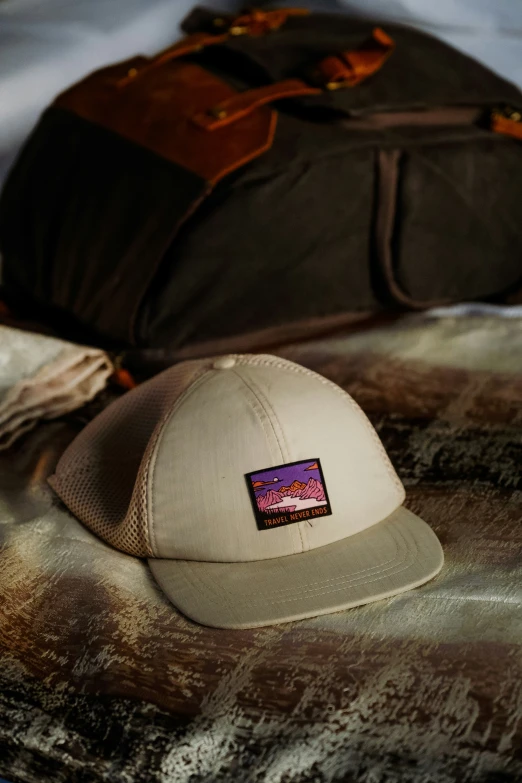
[237, 30]
[132, 72]
[218, 113]
[219, 22]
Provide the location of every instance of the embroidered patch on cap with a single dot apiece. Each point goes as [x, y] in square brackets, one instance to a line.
[285, 494]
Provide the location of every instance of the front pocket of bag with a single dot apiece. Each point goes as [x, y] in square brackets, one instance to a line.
[448, 223]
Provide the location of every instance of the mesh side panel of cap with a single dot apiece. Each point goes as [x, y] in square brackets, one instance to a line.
[102, 476]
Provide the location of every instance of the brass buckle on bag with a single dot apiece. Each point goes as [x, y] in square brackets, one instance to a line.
[507, 113]
[337, 85]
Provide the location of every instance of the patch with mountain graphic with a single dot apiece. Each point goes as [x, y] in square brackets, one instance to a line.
[286, 494]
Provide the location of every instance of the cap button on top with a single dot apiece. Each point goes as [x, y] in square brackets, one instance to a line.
[224, 363]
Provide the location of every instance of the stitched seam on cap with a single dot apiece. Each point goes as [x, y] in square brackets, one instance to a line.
[265, 405]
[316, 594]
[262, 422]
[393, 560]
[196, 383]
[268, 405]
[286, 364]
[348, 580]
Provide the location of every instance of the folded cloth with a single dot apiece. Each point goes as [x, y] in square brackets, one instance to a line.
[42, 378]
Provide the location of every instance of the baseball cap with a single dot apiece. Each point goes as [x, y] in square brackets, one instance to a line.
[258, 491]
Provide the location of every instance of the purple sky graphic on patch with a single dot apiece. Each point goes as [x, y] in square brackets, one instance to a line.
[286, 475]
[289, 487]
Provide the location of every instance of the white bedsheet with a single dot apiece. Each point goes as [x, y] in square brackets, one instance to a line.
[45, 45]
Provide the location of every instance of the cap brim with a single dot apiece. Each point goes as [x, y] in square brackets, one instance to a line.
[397, 554]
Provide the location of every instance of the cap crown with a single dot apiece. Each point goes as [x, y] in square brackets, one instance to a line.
[162, 471]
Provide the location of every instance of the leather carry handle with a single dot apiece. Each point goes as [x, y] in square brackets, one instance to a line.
[246, 102]
[350, 68]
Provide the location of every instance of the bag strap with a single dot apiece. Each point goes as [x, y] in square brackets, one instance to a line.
[350, 68]
[192, 43]
[244, 103]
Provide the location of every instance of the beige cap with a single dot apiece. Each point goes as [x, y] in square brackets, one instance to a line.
[257, 489]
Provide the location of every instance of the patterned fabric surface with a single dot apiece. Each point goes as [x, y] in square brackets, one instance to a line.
[102, 680]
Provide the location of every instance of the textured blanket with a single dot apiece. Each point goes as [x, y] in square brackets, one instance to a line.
[102, 680]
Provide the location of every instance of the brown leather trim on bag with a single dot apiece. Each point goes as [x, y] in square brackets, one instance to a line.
[244, 103]
[506, 126]
[388, 180]
[352, 67]
[157, 110]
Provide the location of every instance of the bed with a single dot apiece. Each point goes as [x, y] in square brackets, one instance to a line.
[101, 679]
